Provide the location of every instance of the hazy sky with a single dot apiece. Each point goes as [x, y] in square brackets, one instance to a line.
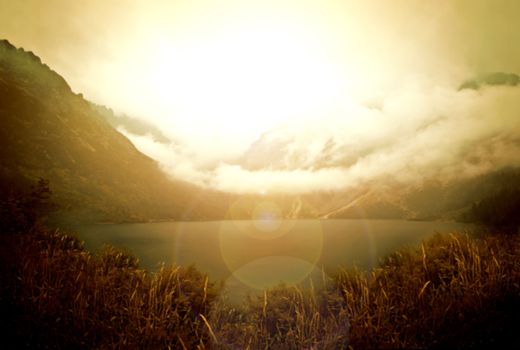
[371, 85]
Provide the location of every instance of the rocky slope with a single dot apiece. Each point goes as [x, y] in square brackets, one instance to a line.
[96, 174]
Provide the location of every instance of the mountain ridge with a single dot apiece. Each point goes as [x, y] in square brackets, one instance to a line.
[95, 173]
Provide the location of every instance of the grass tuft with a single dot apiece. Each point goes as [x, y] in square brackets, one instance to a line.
[453, 291]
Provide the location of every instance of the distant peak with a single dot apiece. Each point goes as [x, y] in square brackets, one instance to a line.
[492, 79]
[23, 63]
[7, 44]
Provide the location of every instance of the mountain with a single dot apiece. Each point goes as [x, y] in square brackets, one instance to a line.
[95, 173]
[493, 79]
[429, 199]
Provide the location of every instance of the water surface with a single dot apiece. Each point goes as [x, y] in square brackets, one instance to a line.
[263, 253]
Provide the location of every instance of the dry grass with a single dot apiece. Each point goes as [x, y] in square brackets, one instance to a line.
[284, 318]
[453, 291]
[68, 298]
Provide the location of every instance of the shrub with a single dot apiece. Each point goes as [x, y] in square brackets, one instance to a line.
[20, 212]
[500, 211]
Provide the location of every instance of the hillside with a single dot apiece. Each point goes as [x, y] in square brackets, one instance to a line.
[95, 173]
[429, 199]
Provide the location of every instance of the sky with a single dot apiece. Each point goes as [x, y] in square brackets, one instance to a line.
[293, 96]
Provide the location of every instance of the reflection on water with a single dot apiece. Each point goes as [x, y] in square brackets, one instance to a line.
[262, 253]
[260, 258]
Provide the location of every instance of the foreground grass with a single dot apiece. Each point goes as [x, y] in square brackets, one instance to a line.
[454, 291]
[63, 296]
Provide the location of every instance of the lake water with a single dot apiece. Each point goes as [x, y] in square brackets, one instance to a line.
[252, 255]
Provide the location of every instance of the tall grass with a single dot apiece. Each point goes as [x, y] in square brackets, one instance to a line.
[66, 297]
[453, 291]
[284, 318]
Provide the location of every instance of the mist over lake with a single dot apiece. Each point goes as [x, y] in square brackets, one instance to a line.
[264, 253]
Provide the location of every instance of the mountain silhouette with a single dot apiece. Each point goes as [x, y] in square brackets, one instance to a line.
[491, 79]
[95, 173]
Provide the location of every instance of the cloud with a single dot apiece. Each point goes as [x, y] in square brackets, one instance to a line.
[436, 133]
[234, 178]
[175, 160]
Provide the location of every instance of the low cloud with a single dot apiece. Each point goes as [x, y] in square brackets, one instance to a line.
[437, 133]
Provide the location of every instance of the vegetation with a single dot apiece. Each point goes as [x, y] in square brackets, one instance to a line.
[454, 291]
[20, 212]
[59, 295]
[501, 210]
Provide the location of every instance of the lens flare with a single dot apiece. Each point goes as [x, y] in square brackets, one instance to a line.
[267, 217]
[273, 270]
[267, 249]
[369, 236]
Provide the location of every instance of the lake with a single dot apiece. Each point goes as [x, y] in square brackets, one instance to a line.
[254, 254]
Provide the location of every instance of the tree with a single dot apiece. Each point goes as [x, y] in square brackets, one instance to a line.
[500, 211]
[20, 212]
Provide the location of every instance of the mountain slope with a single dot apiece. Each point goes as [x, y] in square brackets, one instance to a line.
[95, 172]
[429, 199]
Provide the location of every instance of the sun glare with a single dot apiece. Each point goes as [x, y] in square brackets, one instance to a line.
[240, 82]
